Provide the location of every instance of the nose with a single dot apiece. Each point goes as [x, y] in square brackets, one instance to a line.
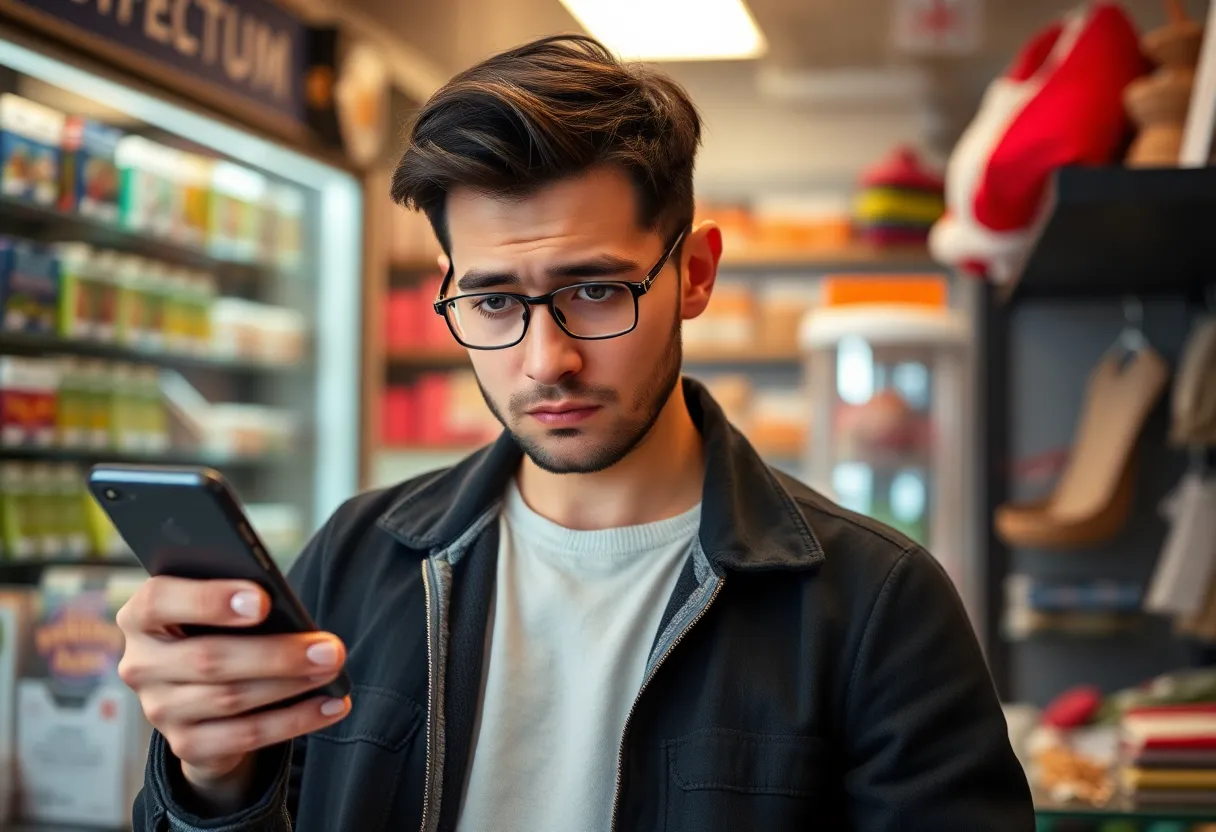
[550, 354]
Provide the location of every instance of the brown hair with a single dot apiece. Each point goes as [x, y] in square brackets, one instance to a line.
[547, 110]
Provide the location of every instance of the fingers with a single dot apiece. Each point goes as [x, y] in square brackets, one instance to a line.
[162, 603]
[224, 659]
[225, 738]
[189, 703]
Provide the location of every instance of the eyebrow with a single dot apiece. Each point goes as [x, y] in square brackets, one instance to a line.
[605, 265]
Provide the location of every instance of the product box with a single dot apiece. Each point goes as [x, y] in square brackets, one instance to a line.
[88, 170]
[238, 209]
[16, 612]
[29, 286]
[81, 737]
[30, 137]
[28, 401]
[149, 199]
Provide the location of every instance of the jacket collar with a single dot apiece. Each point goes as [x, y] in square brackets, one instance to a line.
[749, 521]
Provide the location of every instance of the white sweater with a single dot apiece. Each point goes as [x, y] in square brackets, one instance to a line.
[573, 619]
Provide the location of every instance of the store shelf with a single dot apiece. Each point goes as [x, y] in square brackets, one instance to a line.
[1123, 809]
[30, 571]
[34, 344]
[26, 218]
[851, 258]
[87, 456]
[1116, 231]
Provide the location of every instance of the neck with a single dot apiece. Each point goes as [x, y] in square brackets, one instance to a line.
[660, 478]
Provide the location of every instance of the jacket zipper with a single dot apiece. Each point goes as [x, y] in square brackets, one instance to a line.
[430, 693]
[620, 756]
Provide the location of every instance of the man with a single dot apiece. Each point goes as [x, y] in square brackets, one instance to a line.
[616, 617]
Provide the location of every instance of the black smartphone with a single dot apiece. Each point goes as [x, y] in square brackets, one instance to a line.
[188, 522]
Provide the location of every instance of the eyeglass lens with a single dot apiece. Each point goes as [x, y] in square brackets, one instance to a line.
[584, 310]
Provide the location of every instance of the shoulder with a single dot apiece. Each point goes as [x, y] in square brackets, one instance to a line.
[358, 516]
[858, 549]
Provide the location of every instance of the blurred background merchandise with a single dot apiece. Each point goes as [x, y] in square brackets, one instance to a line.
[967, 289]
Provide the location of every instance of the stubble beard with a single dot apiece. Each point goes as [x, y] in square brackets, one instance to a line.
[624, 437]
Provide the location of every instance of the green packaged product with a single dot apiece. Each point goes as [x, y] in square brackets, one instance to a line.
[71, 522]
[19, 541]
[44, 507]
[72, 412]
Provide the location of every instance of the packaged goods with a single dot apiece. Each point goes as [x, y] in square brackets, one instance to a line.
[71, 522]
[94, 382]
[244, 329]
[237, 212]
[28, 401]
[193, 178]
[89, 170]
[87, 292]
[29, 286]
[151, 419]
[30, 138]
[81, 738]
[72, 409]
[150, 201]
[18, 518]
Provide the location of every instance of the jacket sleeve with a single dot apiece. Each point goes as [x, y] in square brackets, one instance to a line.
[927, 743]
[165, 802]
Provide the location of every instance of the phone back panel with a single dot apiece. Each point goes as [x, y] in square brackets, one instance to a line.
[186, 522]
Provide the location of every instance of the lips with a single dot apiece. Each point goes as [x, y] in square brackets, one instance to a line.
[563, 414]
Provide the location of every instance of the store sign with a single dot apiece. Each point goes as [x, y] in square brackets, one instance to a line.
[251, 48]
[938, 27]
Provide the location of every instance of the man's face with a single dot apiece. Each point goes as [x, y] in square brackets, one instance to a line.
[574, 406]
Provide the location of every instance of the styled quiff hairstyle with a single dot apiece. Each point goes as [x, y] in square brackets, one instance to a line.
[545, 111]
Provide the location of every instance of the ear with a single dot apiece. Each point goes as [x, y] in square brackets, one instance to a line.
[444, 263]
[702, 250]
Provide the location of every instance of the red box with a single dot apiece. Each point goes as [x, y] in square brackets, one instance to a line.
[432, 408]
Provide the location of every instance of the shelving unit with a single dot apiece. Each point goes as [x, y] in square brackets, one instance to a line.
[52, 225]
[1111, 234]
[1116, 231]
[36, 344]
[780, 368]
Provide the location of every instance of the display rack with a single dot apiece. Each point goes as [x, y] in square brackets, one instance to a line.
[268, 395]
[1110, 234]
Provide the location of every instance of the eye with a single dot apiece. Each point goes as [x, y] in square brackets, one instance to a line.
[493, 303]
[596, 292]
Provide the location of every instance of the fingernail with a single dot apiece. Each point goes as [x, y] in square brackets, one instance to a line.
[333, 707]
[323, 653]
[247, 604]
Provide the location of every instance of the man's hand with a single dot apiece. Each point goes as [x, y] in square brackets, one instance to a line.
[198, 691]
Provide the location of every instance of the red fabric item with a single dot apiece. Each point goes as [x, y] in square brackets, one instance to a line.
[1077, 116]
[1073, 708]
[1032, 57]
[903, 168]
[1059, 103]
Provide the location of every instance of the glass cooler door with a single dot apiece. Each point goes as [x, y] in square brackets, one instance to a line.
[172, 289]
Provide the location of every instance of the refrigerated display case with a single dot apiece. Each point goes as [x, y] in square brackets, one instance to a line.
[886, 387]
[174, 289]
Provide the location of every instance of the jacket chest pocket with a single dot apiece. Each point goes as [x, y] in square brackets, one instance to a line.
[720, 779]
[378, 753]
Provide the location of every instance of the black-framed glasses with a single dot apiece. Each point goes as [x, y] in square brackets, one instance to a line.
[590, 311]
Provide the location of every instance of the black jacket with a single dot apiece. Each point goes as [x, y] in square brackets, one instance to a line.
[814, 670]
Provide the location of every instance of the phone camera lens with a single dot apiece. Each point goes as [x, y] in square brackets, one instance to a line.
[113, 494]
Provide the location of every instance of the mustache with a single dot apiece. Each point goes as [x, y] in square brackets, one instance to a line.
[550, 393]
